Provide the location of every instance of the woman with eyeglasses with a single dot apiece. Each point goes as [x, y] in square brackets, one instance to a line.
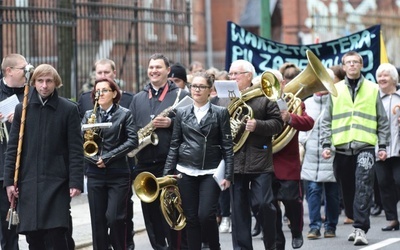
[201, 139]
[108, 172]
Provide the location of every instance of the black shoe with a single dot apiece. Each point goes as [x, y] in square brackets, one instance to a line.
[131, 246]
[376, 210]
[392, 226]
[205, 245]
[256, 230]
[297, 242]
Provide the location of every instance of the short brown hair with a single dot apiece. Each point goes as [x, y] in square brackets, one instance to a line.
[113, 85]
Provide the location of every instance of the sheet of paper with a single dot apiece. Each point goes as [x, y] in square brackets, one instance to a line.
[187, 100]
[219, 174]
[7, 106]
[282, 104]
[227, 89]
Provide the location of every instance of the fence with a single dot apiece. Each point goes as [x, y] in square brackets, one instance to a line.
[72, 34]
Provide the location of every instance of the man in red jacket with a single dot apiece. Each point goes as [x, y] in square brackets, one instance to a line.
[287, 186]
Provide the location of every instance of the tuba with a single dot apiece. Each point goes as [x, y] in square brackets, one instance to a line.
[90, 147]
[147, 188]
[312, 79]
[240, 112]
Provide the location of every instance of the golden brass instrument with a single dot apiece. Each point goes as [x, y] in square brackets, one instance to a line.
[147, 135]
[90, 147]
[147, 187]
[240, 112]
[312, 79]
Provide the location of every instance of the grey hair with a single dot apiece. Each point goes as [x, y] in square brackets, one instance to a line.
[246, 65]
[391, 69]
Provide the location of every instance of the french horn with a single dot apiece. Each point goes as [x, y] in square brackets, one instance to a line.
[314, 78]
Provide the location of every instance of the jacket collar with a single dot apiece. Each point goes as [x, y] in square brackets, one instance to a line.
[51, 102]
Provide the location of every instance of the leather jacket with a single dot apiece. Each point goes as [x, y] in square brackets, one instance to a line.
[201, 146]
[115, 142]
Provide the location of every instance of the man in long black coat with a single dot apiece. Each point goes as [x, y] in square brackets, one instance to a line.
[51, 170]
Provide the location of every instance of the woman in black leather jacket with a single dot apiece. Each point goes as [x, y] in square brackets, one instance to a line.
[200, 140]
[108, 172]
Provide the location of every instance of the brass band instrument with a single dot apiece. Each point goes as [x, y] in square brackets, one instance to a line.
[147, 187]
[147, 135]
[90, 147]
[312, 79]
[240, 112]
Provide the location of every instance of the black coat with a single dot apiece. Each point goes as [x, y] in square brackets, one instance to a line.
[116, 142]
[144, 109]
[6, 92]
[51, 162]
[201, 146]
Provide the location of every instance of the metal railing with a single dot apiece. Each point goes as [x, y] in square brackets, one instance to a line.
[72, 34]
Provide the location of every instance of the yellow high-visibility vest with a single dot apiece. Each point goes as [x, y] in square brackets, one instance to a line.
[355, 121]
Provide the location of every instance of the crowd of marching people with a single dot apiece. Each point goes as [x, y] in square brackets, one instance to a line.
[297, 146]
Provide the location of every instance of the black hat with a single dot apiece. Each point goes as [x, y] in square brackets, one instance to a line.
[178, 71]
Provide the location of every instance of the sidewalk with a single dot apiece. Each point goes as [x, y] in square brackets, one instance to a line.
[82, 231]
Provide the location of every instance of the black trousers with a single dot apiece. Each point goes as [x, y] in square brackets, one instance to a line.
[157, 228]
[199, 202]
[49, 239]
[108, 199]
[355, 174]
[388, 175]
[290, 193]
[8, 238]
[259, 188]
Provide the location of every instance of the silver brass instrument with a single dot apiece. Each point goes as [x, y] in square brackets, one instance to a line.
[147, 187]
[147, 135]
[240, 112]
[314, 78]
[90, 147]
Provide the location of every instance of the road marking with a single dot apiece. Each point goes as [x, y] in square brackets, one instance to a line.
[381, 244]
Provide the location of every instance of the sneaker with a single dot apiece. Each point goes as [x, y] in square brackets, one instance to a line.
[360, 238]
[225, 225]
[313, 234]
[352, 235]
[329, 233]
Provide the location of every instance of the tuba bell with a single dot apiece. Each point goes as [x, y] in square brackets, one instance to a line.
[240, 112]
[314, 78]
[147, 187]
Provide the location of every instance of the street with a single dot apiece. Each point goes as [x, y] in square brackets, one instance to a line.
[376, 238]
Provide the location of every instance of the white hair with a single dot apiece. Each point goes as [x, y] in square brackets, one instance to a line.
[246, 65]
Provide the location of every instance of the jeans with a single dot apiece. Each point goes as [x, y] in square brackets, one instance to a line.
[331, 197]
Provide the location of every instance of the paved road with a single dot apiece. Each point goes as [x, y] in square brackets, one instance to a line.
[82, 232]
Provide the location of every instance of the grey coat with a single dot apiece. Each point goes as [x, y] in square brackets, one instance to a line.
[51, 162]
[389, 101]
[315, 167]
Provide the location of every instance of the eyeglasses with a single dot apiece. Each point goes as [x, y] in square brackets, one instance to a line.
[22, 68]
[104, 91]
[199, 87]
[237, 73]
[352, 62]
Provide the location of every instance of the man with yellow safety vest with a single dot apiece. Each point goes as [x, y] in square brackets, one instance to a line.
[356, 121]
